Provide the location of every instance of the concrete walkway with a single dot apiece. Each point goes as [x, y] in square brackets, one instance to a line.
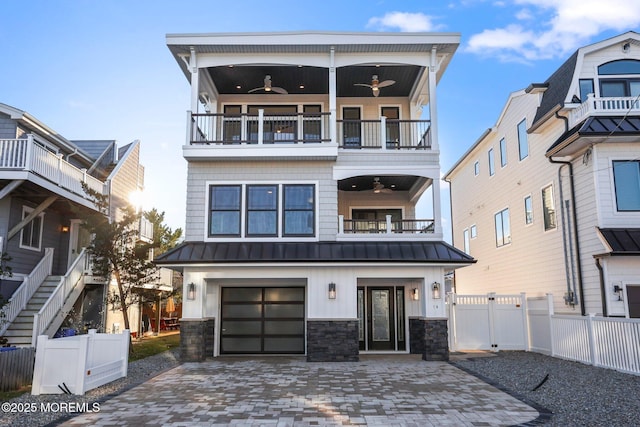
[287, 391]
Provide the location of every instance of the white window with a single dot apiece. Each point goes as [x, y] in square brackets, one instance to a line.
[548, 208]
[626, 179]
[492, 165]
[465, 237]
[31, 234]
[503, 152]
[474, 231]
[503, 228]
[528, 210]
[523, 143]
[476, 168]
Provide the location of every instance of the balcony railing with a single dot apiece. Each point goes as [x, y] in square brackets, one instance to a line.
[145, 230]
[307, 128]
[300, 128]
[609, 106]
[386, 134]
[28, 155]
[385, 226]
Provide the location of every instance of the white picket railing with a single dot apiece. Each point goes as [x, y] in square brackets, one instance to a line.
[618, 106]
[56, 301]
[26, 154]
[29, 286]
[79, 363]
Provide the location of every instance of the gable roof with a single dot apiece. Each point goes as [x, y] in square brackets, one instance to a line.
[314, 252]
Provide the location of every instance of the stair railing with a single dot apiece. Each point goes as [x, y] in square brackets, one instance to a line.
[28, 287]
[43, 318]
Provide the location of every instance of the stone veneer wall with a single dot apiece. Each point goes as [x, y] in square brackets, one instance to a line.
[196, 339]
[332, 341]
[429, 337]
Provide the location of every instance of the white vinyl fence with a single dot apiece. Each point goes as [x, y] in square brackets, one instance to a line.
[502, 322]
[77, 364]
[488, 322]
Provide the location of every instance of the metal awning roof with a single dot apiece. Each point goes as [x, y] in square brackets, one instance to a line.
[314, 252]
[621, 241]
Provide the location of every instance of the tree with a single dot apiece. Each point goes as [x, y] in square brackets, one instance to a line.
[116, 252]
[163, 237]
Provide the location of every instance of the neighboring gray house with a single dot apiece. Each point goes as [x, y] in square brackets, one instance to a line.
[41, 201]
[307, 154]
[548, 199]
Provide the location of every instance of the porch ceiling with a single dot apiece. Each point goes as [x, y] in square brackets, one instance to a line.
[392, 182]
[315, 80]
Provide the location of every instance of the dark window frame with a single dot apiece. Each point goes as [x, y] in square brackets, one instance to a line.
[504, 238]
[248, 210]
[285, 210]
[523, 140]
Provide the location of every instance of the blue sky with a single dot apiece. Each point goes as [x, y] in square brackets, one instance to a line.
[101, 69]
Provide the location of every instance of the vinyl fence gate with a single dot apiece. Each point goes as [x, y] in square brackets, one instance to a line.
[488, 322]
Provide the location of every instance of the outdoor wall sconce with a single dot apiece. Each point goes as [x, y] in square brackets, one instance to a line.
[191, 291]
[64, 228]
[617, 289]
[435, 290]
[415, 294]
[332, 290]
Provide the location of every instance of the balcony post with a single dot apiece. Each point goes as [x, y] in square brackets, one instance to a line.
[388, 218]
[340, 224]
[260, 126]
[29, 153]
[332, 98]
[383, 132]
[195, 83]
[433, 111]
[59, 169]
[190, 127]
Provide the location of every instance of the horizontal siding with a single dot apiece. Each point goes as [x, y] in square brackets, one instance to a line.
[348, 200]
[273, 172]
[7, 127]
[532, 263]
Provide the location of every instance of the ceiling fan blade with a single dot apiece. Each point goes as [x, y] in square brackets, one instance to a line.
[386, 191]
[256, 89]
[362, 84]
[279, 90]
[386, 83]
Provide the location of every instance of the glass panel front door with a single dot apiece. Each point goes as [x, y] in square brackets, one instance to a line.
[381, 318]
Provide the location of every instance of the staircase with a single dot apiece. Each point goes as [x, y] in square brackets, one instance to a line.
[20, 332]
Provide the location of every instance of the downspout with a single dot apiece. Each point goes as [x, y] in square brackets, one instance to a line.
[454, 287]
[602, 291]
[575, 219]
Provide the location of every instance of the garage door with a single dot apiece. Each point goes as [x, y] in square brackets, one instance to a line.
[267, 320]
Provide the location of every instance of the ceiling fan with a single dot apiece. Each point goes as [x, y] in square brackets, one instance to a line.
[376, 84]
[379, 187]
[268, 88]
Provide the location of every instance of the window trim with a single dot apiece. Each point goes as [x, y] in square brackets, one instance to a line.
[240, 210]
[247, 210]
[503, 152]
[520, 143]
[501, 213]
[526, 221]
[555, 210]
[476, 168]
[492, 162]
[615, 190]
[26, 210]
[473, 231]
[243, 211]
[466, 240]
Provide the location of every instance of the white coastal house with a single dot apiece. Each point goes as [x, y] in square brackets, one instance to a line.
[307, 153]
[41, 204]
[548, 199]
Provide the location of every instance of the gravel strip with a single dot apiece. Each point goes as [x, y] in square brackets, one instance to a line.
[138, 372]
[576, 394]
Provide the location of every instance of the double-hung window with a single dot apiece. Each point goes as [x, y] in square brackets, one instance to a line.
[492, 166]
[503, 228]
[528, 210]
[626, 178]
[262, 210]
[548, 208]
[31, 234]
[503, 152]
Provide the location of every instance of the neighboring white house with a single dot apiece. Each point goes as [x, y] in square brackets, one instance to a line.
[307, 153]
[41, 205]
[548, 199]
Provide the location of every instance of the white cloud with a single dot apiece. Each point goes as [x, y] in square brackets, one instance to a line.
[562, 26]
[404, 21]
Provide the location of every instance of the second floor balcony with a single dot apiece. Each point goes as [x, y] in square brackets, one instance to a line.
[302, 134]
[604, 106]
[21, 157]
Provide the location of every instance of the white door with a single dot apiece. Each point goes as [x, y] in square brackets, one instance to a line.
[78, 239]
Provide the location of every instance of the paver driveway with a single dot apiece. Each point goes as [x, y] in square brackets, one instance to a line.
[288, 391]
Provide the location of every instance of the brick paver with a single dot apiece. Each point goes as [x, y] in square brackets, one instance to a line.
[288, 391]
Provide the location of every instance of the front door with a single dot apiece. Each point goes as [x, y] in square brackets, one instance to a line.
[633, 300]
[381, 318]
[78, 240]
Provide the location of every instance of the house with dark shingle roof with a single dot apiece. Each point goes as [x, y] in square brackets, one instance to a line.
[307, 154]
[548, 199]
